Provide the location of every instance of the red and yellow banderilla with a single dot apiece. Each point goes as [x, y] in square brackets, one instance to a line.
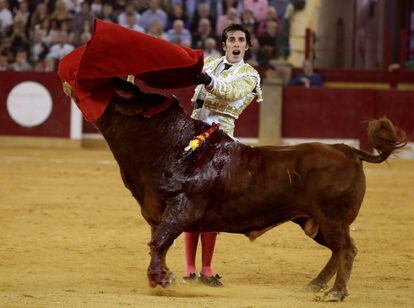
[197, 141]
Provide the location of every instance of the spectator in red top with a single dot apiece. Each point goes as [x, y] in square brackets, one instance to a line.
[232, 17]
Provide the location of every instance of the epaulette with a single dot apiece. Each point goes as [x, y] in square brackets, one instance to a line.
[210, 59]
[247, 68]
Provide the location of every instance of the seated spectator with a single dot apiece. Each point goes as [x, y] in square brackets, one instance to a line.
[268, 40]
[210, 48]
[283, 50]
[225, 5]
[204, 31]
[19, 38]
[38, 49]
[53, 33]
[96, 7]
[308, 78]
[66, 28]
[86, 32]
[271, 15]
[131, 23]
[203, 11]
[39, 66]
[153, 13]
[38, 15]
[256, 55]
[23, 12]
[108, 13]
[5, 47]
[4, 63]
[85, 38]
[141, 5]
[258, 8]
[177, 12]
[248, 20]
[61, 49]
[61, 14]
[156, 30]
[232, 17]
[73, 6]
[50, 65]
[120, 5]
[130, 9]
[45, 28]
[281, 6]
[84, 14]
[179, 34]
[21, 64]
[6, 17]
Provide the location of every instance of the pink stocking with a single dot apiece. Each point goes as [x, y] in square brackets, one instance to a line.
[190, 247]
[208, 241]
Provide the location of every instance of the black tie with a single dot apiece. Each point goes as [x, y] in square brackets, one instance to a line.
[226, 66]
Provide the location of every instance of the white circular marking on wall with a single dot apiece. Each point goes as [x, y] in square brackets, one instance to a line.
[29, 104]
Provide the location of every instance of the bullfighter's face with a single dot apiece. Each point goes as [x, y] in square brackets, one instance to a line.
[235, 46]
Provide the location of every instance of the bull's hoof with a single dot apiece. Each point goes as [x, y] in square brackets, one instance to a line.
[316, 287]
[165, 279]
[211, 281]
[333, 296]
[171, 278]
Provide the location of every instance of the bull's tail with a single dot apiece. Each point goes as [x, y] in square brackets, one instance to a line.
[385, 138]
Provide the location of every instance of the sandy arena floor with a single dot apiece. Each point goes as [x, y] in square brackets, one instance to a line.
[71, 235]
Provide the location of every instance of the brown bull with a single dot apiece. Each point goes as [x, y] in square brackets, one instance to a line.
[227, 186]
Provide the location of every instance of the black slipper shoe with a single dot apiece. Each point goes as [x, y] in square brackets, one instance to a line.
[212, 281]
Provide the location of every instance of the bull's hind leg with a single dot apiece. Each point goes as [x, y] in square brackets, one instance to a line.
[343, 255]
[311, 229]
[321, 281]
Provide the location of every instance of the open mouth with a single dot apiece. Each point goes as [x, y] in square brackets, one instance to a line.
[236, 52]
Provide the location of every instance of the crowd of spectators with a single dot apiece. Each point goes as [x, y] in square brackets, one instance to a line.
[36, 34]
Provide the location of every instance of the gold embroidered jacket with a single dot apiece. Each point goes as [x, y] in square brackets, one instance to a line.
[233, 89]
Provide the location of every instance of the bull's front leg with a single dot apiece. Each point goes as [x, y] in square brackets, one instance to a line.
[158, 273]
[174, 221]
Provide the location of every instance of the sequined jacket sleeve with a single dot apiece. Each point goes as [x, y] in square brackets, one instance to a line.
[234, 90]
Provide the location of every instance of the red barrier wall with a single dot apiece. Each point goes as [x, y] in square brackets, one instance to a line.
[398, 106]
[343, 113]
[56, 125]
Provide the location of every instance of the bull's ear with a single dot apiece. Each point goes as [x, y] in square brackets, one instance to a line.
[125, 89]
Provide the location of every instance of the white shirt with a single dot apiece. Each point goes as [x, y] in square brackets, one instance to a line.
[6, 19]
[58, 51]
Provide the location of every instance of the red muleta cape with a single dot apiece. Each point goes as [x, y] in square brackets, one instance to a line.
[117, 51]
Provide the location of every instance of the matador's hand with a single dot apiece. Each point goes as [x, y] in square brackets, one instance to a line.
[204, 79]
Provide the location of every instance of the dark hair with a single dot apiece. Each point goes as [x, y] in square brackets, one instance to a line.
[236, 27]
